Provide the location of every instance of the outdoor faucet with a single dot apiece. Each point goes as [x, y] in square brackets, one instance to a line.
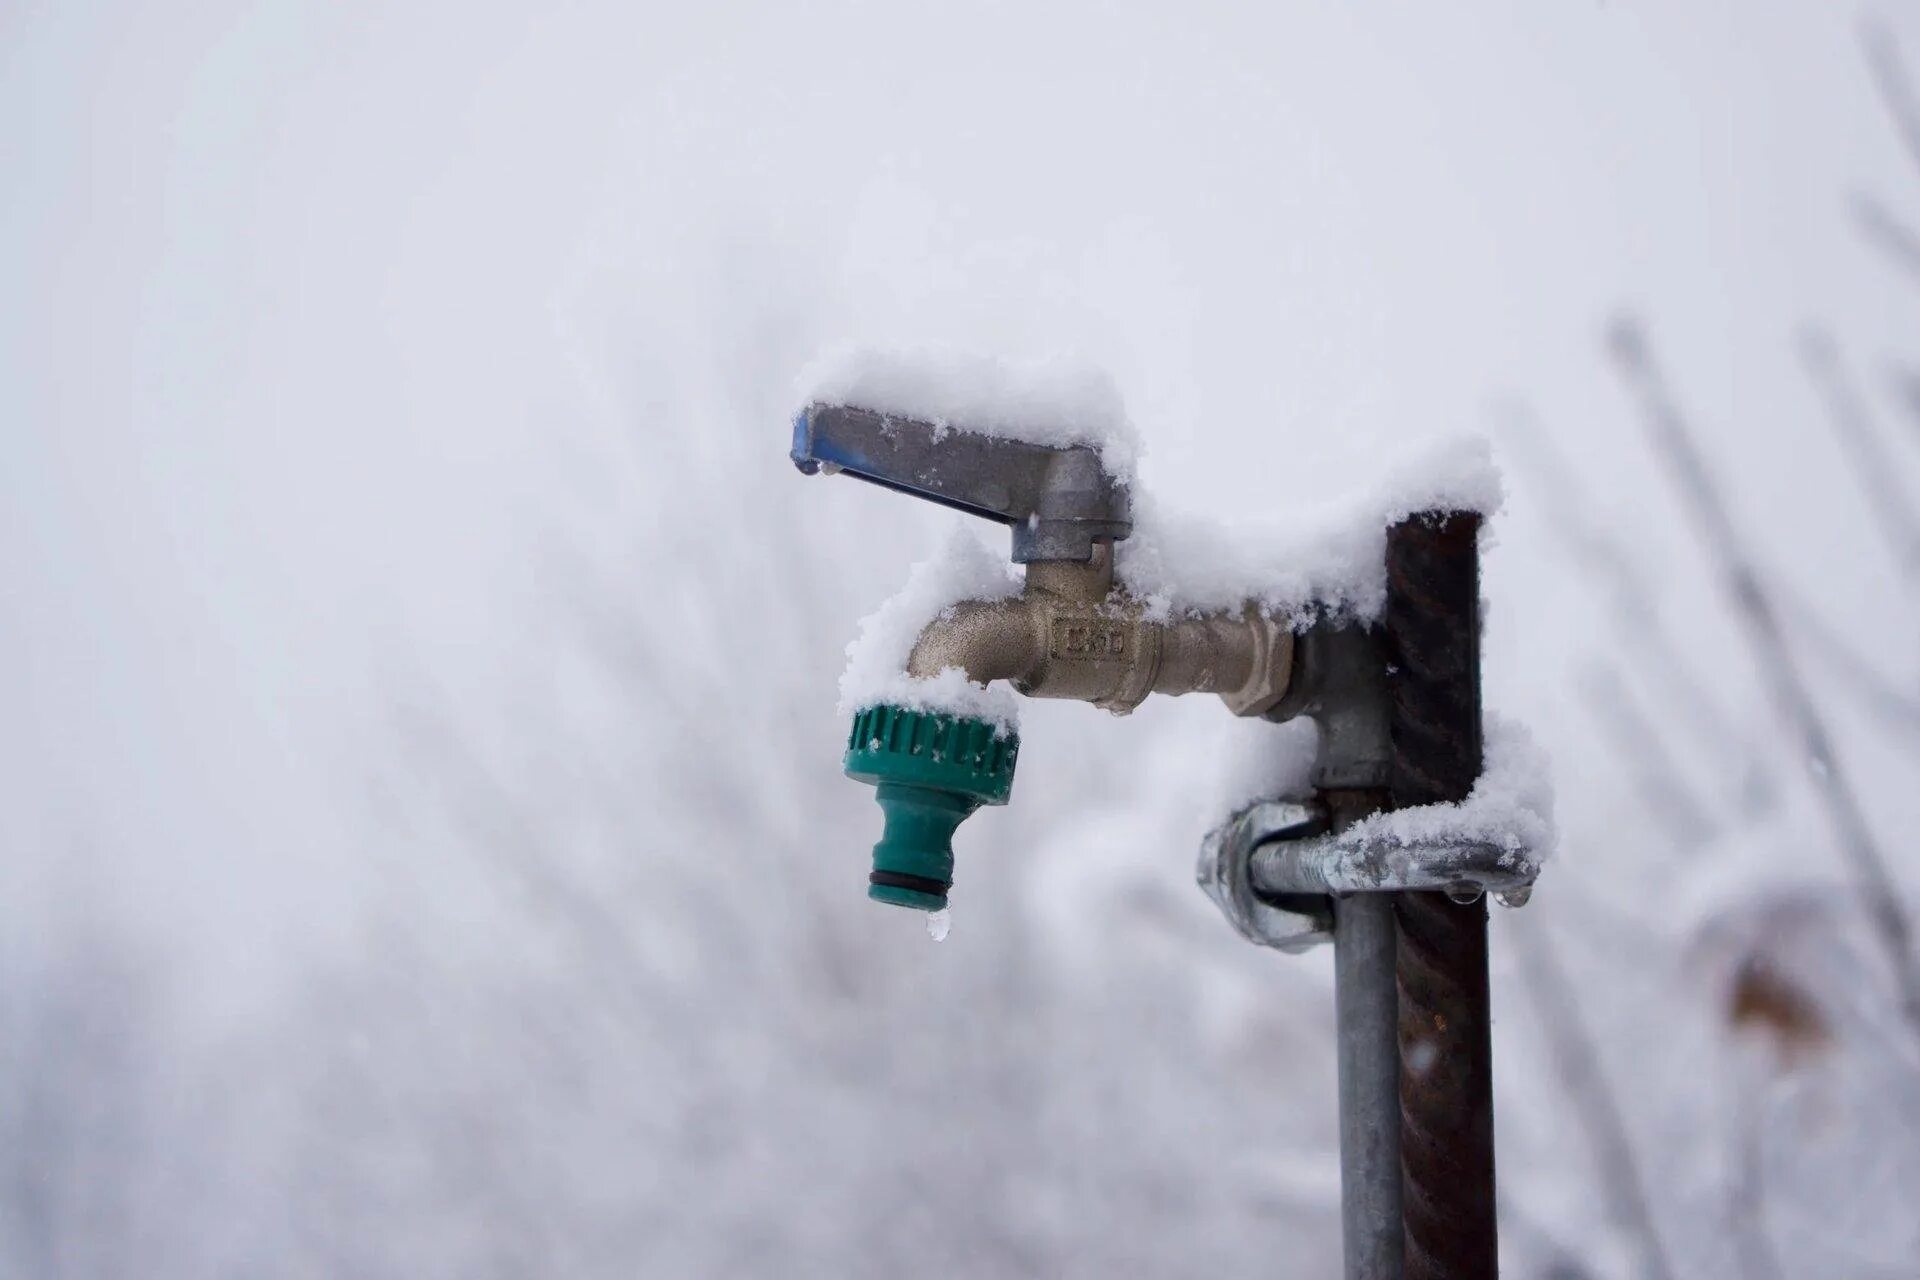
[1070, 632]
[1395, 696]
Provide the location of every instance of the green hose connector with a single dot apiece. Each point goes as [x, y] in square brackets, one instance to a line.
[929, 772]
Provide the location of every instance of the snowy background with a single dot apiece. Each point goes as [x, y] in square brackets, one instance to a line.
[422, 846]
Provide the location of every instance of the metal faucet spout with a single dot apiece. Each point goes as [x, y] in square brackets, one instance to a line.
[1071, 634]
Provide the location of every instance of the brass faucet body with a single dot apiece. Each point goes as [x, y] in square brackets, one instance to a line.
[1071, 633]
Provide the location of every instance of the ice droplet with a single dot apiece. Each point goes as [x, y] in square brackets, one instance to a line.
[1516, 896]
[938, 922]
[1463, 892]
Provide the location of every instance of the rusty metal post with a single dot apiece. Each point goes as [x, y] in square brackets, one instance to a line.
[1431, 639]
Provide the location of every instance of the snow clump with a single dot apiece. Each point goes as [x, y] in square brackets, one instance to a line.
[1049, 402]
[1510, 806]
[876, 673]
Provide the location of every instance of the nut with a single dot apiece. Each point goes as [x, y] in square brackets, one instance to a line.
[1271, 669]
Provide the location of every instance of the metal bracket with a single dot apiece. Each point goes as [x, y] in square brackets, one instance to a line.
[1292, 922]
[1273, 868]
[1340, 683]
[1361, 861]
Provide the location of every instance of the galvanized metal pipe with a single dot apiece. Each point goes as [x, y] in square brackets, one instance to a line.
[1328, 864]
[1339, 686]
[1368, 1027]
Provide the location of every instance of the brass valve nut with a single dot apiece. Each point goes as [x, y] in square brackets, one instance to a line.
[1270, 670]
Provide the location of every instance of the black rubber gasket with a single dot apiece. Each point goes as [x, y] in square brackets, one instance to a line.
[919, 884]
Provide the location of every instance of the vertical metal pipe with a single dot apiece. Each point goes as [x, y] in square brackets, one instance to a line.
[1368, 1018]
[1446, 1090]
[1431, 637]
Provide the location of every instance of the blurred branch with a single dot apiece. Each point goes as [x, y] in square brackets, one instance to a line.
[1576, 1060]
[78, 1070]
[1892, 706]
[1636, 609]
[1657, 777]
[496, 827]
[1881, 227]
[1872, 466]
[1560, 1262]
[1890, 78]
[1747, 1193]
[1887, 233]
[1759, 618]
[1906, 389]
